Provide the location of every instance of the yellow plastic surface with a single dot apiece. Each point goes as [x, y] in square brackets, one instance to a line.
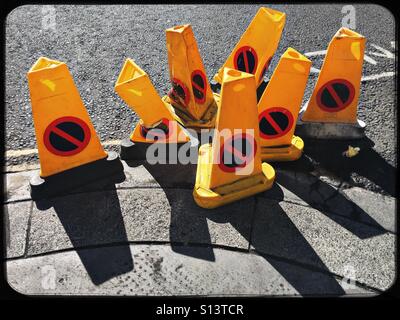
[262, 35]
[135, 88]
[238, 110]
[216, 185]
[343, 60]
[290, 152]
[206, 122]
[177, 135]
[185, 65]
[54, 96]
[209, 198]
[283, 95]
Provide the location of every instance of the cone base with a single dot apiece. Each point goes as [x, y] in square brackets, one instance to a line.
[243, 188]
[133, 150]
[63, 182]
[331, 130]
[283, 153]
[184, 118]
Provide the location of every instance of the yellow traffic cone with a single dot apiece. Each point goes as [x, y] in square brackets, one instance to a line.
[331, 111]
[279, 107]
[191, 96]
[230, 168]
[66, 138]
[156, 124]
[255, 49]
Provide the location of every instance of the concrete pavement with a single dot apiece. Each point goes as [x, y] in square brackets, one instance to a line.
[142, 234]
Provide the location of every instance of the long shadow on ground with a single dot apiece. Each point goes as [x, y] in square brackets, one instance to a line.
[368, 163]
[92, 219]
[187, 225]
[276, 233]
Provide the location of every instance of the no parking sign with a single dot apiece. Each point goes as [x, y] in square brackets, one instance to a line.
[199, 86]
[335, 95]
[180, 92]
[246, 59]
[275, 122]
[237, 152]
[66, 136]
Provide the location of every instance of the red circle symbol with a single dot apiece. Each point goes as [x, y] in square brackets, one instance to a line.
[179, 92]
[275, 122]
[199, 86]
[237, 152]
[335, 95]
[160, 132]
[246, 60]
[66, 136]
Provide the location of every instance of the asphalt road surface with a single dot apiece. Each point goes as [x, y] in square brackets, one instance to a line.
[94, 41]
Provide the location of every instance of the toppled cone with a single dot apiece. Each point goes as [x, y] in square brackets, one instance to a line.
[331, 112]
[191, 97]
[230, 168]
[256, 48]
[279, 107]
[156, 124]
[70, 151]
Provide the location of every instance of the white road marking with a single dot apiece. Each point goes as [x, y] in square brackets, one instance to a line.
[378, 76]
[315, 53]
[111, 143]
[314, 70]
[369, 60]
[27, 152]
[21, 167]
[384, 53]
[20, 153]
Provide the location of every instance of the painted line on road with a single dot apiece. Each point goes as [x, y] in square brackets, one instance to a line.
[111, 143]
[383, 52]
[27, 152]
[314, 70]
[370, 60]
[20, 153]
[315, 53]
[21, 167]
[378, 76]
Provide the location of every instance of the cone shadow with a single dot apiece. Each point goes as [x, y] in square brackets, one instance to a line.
[368, 163]
[95, 219]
